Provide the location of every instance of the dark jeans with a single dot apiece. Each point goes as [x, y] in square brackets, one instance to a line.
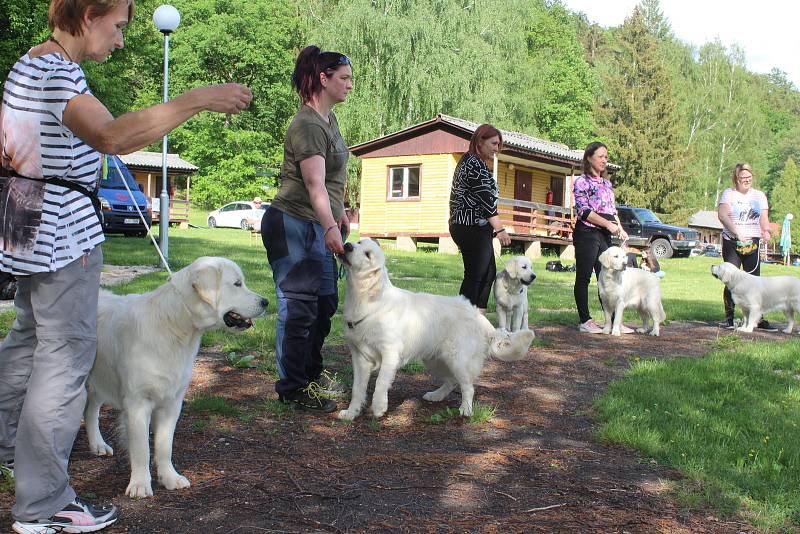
[589, 243]
[749, 262]
[305, 283]
[475, 244]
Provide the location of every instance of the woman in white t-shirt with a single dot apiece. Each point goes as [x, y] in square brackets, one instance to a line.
[743, 213]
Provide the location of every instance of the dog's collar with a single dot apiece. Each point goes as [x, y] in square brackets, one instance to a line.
[353, 324]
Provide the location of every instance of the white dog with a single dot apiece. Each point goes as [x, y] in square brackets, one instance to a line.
[757, 295]
[511, 293]
[387, 326]
[146, 347]
[622, 288]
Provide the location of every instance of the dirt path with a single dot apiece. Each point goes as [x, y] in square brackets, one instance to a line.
[533, 468]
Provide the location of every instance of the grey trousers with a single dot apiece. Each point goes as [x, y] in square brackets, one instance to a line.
[44, 362]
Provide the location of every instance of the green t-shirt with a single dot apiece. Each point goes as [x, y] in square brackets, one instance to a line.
[309, 135]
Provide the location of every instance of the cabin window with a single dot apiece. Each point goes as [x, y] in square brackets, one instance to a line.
[404, 182]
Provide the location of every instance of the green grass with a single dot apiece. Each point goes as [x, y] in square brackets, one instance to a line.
[214, 404]
[481, 413]
[729, 421]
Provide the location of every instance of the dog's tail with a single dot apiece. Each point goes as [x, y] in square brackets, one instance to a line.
[508, 346]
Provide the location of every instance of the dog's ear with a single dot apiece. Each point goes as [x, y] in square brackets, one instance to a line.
[512, 267]
[605, 259]
[372, 282]
[206, 282]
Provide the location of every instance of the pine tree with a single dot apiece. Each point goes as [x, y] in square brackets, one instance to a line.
[639, 120]
[785, 199]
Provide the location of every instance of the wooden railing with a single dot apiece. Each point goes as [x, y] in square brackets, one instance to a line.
[178, 211]
[534, 221]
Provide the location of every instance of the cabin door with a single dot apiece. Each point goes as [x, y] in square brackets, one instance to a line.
[557, 187]
[522, 191]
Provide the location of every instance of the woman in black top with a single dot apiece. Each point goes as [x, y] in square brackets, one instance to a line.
[473, 214]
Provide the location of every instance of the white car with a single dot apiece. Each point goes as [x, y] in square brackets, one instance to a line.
[240, 214]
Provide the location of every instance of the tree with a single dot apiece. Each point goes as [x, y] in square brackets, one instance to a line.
[222, 41]
[22, 24]
[638, 118]
[785, 198]
[565, 111]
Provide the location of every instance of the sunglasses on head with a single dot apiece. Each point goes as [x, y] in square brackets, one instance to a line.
[337, 62]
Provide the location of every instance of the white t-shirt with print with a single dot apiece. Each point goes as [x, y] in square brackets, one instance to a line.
[745, 212]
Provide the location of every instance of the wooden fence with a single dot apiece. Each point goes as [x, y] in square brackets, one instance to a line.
[534, 221]
[178, 211]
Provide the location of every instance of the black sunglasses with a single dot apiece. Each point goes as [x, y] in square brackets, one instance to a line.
[338, 62]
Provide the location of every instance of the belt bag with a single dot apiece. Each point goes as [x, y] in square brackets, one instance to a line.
[92, 195]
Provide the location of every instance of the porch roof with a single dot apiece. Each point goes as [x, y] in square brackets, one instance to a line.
[152, 161]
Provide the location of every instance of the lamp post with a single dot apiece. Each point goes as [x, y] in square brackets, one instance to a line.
[166, 19]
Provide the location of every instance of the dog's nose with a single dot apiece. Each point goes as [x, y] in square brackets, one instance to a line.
[264, 303]
[533, 277]
[348, 247]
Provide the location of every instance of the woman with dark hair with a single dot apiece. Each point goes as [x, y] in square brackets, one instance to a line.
[597, 221]
[473, 214]
[304, 227]
[52, 133]
[743, 211]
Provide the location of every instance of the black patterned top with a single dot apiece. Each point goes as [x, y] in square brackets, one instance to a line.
[473, 197]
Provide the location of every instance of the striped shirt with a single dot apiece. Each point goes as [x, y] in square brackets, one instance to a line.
[44, 227]
[473, 198]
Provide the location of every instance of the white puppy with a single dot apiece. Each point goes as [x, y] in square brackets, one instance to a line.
[387, 326]
[622, 288]
[511, 293]
[757, 295]
[146, 347]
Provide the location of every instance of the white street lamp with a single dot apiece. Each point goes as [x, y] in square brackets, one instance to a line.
[166, 19]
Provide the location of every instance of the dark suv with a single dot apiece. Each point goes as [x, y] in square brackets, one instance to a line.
[645, 229]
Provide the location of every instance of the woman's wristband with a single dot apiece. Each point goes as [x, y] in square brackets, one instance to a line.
[498, 231]
[328, 229]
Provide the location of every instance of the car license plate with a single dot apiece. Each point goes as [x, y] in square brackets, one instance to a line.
[131, 221]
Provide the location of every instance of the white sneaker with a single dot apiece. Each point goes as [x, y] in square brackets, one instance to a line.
[590, 327]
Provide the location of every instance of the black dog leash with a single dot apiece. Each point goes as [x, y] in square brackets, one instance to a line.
[5, 174]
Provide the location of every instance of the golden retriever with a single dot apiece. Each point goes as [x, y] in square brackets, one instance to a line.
[622, 288]
[387, 326]
[757, 295]
[146, 347]
[511, 293]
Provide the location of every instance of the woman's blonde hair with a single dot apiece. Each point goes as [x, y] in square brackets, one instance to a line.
[739, 167]
[68, 15]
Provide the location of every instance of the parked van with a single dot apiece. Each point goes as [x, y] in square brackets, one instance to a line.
[118, 208]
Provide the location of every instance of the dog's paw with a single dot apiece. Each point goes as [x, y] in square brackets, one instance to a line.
[379, 408]
[787, 330]
[432, 396]
[654, 332]
[641, 330]
[139, 488]
[174, 481]
[616, 332]
[606, 330]
[465, 410]
[347, 415]
[101, 449]
[744, 329]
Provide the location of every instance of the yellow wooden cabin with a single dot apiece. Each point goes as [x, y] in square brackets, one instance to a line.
[406, 178]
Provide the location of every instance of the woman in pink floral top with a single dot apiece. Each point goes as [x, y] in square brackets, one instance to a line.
[597, 222]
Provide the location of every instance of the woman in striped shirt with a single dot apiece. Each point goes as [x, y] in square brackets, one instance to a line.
[52, 133]
[473, 214]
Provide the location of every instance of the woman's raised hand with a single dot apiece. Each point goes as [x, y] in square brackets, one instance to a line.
[224, 98]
